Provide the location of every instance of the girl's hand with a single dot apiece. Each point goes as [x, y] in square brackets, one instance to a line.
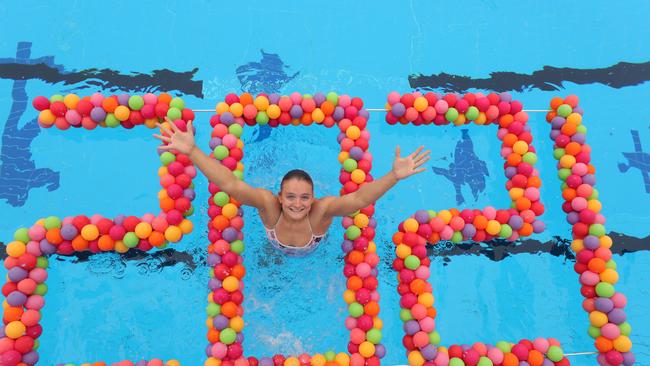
[176, 139]
[409, 165]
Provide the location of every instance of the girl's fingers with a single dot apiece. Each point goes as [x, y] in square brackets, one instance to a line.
[163, 138]
[164, 129]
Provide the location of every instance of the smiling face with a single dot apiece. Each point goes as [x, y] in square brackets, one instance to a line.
[296, 197]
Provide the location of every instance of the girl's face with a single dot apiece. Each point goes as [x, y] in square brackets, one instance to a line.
[296, 197]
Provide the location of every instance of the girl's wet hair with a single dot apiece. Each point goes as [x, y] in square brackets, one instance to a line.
[297, 174]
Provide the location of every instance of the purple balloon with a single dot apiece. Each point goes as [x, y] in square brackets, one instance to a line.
[123, 99]
[16, 298]
[604, 304]
[616, 316]
[422, 216]
[226, 118]
[505, 97]
[208, 350]
[69, 231]
[547, 362]
[356, 153]
[274, 98]
[220, 322]
[141, 363]
[214, 142]
[589, 179]
[510, 171]
[214, 283]
[31, 357]
[364, 113]
[578, 110]
[411, 327]
[398, 110]
[265, 361]
[239, 338]
[516, 222]
[16, 274]
[213, 259]
[338, 114]
[98, 114]
[555, 134]
[372, 223]
[380, 350]
[230, 234]
[628, 358]
[46, 247]
[468, 231]
[572, 217]
[319, 98]
[119, 219]
[340, 137]
[347, 246]
[189, 193]
[296, 111]
[538, 226]
[523, 363]
[591, 242]
[579, 137]
[557, 122]
[429, 352]
[374, 272]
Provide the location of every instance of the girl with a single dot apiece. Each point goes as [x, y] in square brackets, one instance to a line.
[295, 221]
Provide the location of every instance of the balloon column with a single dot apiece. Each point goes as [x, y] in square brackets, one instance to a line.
[594, 263]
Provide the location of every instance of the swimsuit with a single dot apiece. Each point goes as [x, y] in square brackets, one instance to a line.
[291, 250]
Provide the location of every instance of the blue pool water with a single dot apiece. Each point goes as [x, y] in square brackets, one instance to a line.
[112, 307]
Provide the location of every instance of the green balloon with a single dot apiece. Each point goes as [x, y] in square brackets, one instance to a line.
[307, 96]
[228, 336]
[41, 289]
[564, 173]
[432, 213]
[594, 194]
[221, 152]
[555, 353]
[167, 158]
[597, 230]
[504, 346]
[412, 262]
[405, 315]
[350, 165]
[558, 153]
[238, 174]
[353, 232]
[37, 343]
[355, 309]
[42, 262]
[625, 328]
[221, 198]
[455, 361]
[456, 237]
[136, 102]
[237, 246]
[374, 336]
[564, 110]
[434, 338]
[189, 212]
[130, 240]
[484, 361]
[451, 114]
[581, 129]
[564, 186]
[471, 113]
[611, 264]
[177, 103]
[594, 332]
[52, 222]
[333, 98]
[213, 309]
[330, 355]
[530, 158]
[604, 289]
[111, 121]
[506, 231]
[236, 129]
[174, 113]
[262, 118]
[22, 235]
[56, 98]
